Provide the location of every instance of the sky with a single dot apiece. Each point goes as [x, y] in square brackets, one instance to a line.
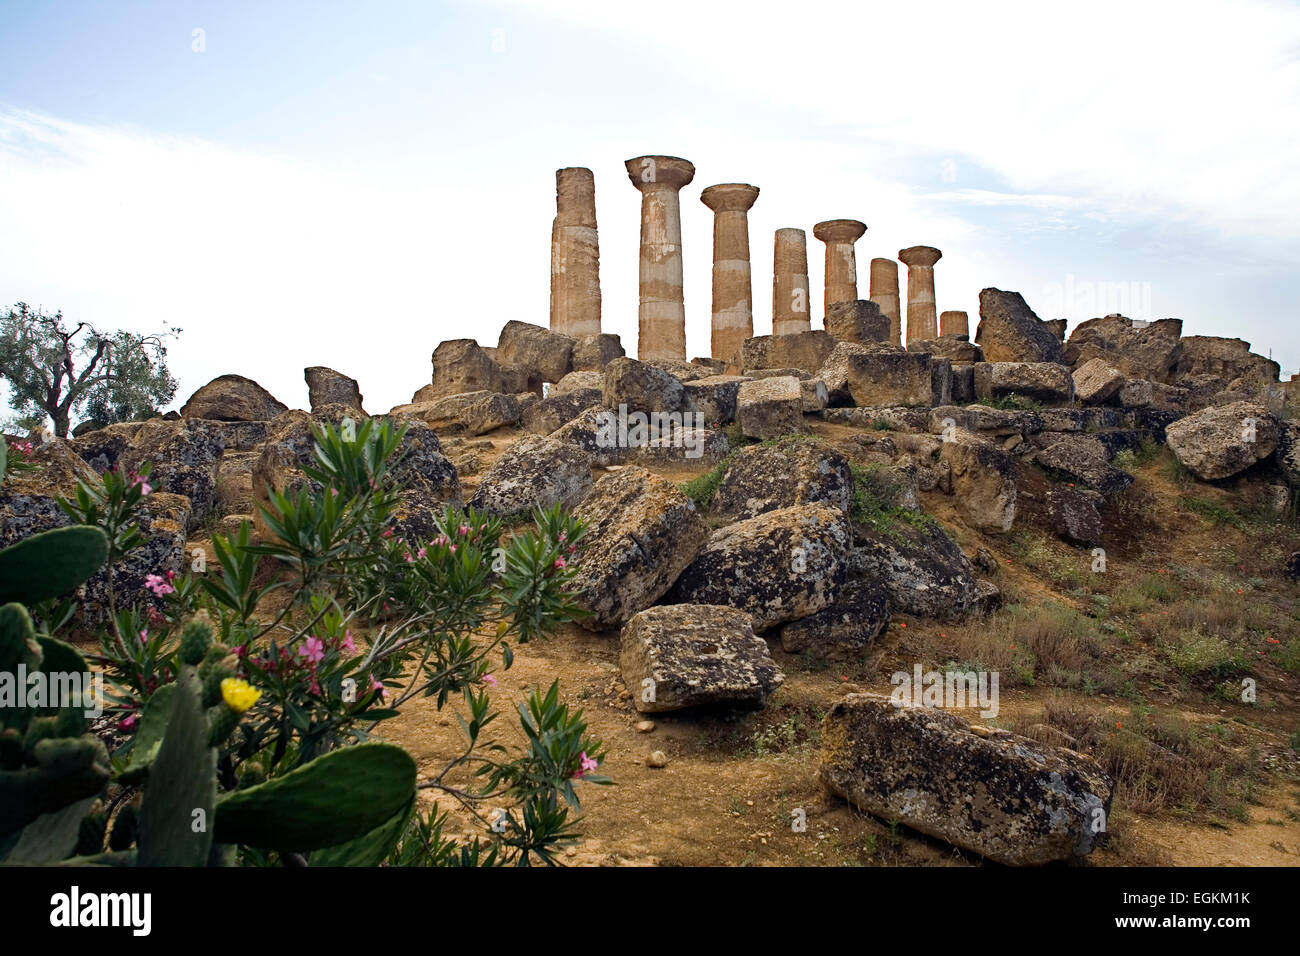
[349, 184]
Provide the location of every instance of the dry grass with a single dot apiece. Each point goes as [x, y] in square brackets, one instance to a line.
[1158, 761]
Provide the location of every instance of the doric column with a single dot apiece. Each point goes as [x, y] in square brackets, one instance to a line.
[661, 331]
[841, 266]
[733, 303]
[790, 311]
[575, 254]
[954, 323]
[884, 292]
[922, 321]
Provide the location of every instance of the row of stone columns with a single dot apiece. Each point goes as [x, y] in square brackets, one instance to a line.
[661, 315]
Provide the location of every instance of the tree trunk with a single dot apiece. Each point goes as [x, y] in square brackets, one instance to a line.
[60, 422]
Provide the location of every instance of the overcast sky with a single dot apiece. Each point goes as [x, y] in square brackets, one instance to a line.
[348, 185]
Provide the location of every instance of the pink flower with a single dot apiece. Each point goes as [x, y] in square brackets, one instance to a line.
[464, 529]
[313, 649]
[489, 680]
[314, 687]
[387, 533]
[563, 537]
[453, 549]
[127, 722]
[158, 585]
[347, 644]
[585, 764]
[378, 686]
[145, 487]
[171, 575]
[144, 635]
[421, 553]
[409, 559]
[559, 563]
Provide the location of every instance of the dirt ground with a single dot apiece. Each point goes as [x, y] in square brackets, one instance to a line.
[734, 782]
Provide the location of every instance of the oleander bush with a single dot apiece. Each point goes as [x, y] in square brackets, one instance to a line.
[241, 699]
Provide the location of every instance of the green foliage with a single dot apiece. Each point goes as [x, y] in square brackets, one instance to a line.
[258, 722]
[58, 371]
[1211, 512]
[875, 501]
[702, 488]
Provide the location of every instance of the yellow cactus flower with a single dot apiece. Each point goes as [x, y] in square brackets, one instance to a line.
[238, 694]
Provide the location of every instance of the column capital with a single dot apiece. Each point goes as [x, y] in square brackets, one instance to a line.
[839, 230]
[729, 197]
[671, 171]
[919, 255]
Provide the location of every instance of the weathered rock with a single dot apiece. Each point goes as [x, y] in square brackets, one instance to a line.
[578, 382]
[682, 371]
[683, 447]
[641, 387]
[779, 566]
[184, 457]
[29, 505]
[549, 354]
[546, 415]
[1077, 458]
[102, 447]
[955, 348]
[769, 407]
[1137, 350]
[1223, 440]
[803, 350]
[877, 375]
[462, 365]
[1219, 370]
[233, 398]
[762, 478]
[1006, 797]
[923, 570]
[858, 321]
[963, 383]
[1056, 327]
[859, 615]
[1097, 381]
[983, 480]
[473, 412]
[813, 394]
[692, 655]
[535, 471]
[1071, 513]
[590, 431]
[757, 373]
[711, 366]
[1009, 331]
[1288, 451]
[328, 387]
[642, 532]
[1139, 393]
[1044, 382]
[591, 353]
[985, 420]
[714, 397]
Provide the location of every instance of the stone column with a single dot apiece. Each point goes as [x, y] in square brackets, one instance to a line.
[922, 321]
[790, 310]
[841, 265]
[733, 303]
[884, 292]
[954, 323]
[575, 255]
[661, 325]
